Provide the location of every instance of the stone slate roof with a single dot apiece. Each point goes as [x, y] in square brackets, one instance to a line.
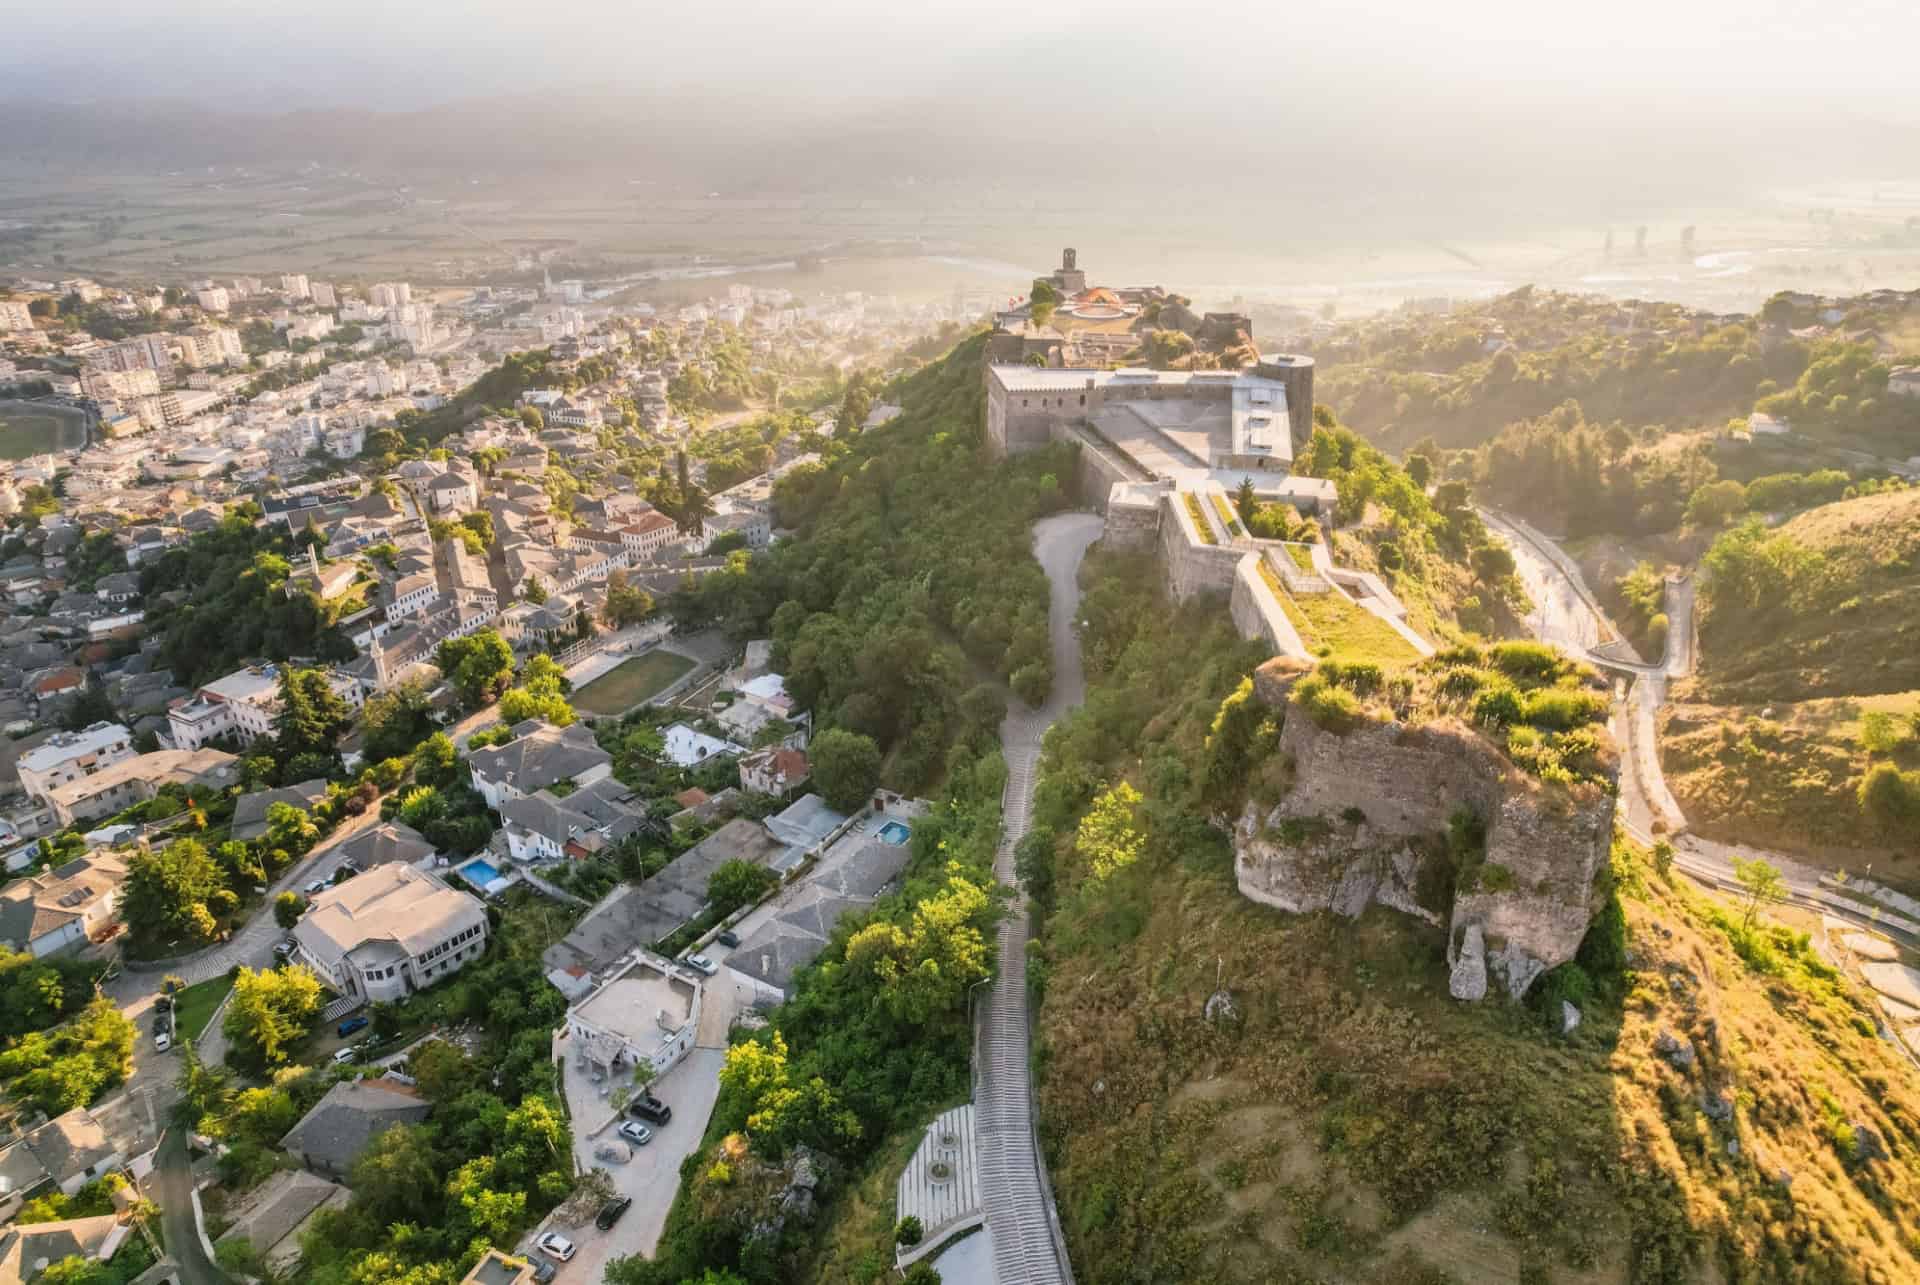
[341, 1124]
[540, 756]
[387, 842]
[24, 1247]
[250, 810]
[279, 1207]
[69, 1144]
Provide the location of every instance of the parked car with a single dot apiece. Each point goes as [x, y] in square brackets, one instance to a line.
[162, 1041]
[729, 939]
[543, 1271]
[163, 1002]
[345, 1055]
[317, 887]
[610, 1212]
[349, 1026]
[554, 1246]
[702, 963]
[284, 949]
[648, 1107]
[638, 1134]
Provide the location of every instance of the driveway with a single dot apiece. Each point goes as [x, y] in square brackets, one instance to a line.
[653, 1175]
[172, 1189]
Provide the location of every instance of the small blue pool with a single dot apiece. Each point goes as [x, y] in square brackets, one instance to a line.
[480, 873]
[895, 832]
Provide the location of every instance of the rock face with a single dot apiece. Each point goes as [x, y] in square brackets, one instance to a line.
[1363, 820]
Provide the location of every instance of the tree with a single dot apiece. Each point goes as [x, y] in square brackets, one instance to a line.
[1761, 884]
[312, 715]
[291, 828]
[398, 1174]
[738, 883]
[691, 505]
[539, 694]
[1663, 859]
[287, 909]
[1109, 836]
[1419, 470]
[532, 418]
[480, 522]
[1493, 564]
[436, 762]
[1716, 503]
[269, 1012]
[923, 969]
[164, 898]
[627, 603]
[854, 409]
[478, 665]
[393, 722]
[846, 767]
[1245, 502]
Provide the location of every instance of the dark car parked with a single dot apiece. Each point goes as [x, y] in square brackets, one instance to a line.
[610, 1212]
[648, 1107]
[349, 1026]
[729, 939]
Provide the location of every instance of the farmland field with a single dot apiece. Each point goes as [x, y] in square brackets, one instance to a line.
[632, 681]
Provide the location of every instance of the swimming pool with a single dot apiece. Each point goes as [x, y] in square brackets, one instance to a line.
[895, 832]
[480, 873]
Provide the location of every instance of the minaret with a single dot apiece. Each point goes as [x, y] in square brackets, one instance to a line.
[313, 562]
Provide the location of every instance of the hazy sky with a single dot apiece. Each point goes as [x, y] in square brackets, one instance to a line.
[1480, 55]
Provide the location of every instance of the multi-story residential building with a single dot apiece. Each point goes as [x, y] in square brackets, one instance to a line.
[323, 296]
[68, 756]
[243, 706]
[14, 315]
[649, 534]
[213, 299]
[134, 780]
[390, 931]
[538, 756]
[412, 595]
[294, 285]
[452, 491]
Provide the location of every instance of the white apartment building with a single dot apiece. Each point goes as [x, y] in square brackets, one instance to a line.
[294, 285]
[647, 535]
[243, 706]
[14, 316]
[213, 299]
[412, 595]
[390, 931]
[68, 756]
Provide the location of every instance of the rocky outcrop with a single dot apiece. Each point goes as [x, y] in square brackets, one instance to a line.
[1364, 820]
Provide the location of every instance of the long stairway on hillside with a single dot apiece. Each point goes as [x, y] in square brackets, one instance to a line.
[1028, 1248]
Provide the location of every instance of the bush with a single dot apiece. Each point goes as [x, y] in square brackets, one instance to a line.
[1890, 796]
[908, 1231]
[1031, 683]
[1499, 706]
[1526, 659]
[1332, 708]
[1561, 708]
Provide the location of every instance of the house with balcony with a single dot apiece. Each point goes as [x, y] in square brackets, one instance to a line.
[539, 757]
[390, 931]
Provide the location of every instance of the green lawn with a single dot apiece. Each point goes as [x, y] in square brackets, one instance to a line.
[193, 1007]
[27, 429]
[632, 681]
[1350, 630]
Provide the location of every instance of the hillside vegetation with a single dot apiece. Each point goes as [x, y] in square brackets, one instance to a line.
[1229, 1093]
[1797, 730]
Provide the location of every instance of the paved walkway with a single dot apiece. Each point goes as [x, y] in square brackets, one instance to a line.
[1028, 1248]
[172, 1184]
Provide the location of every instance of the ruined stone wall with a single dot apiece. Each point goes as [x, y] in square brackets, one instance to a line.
[1545, 845]
[1191, 567]
[1099, 467]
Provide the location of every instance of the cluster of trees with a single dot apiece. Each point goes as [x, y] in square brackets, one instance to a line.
[1437, 376]
[236, 607]
[914, 569]
[36, 993]
[270, 1015]
[1843, 392]
[71, 1065]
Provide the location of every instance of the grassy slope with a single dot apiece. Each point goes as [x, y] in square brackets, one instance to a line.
[1764, 744]
[1783, 776]
[1357, 1125]
[1360, 1126]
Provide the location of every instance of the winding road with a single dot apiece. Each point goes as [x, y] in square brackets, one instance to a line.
[1567, 614]
[1028, 1248]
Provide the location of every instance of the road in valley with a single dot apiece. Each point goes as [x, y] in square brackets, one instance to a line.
[1028, 1248]
[1567, 615]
